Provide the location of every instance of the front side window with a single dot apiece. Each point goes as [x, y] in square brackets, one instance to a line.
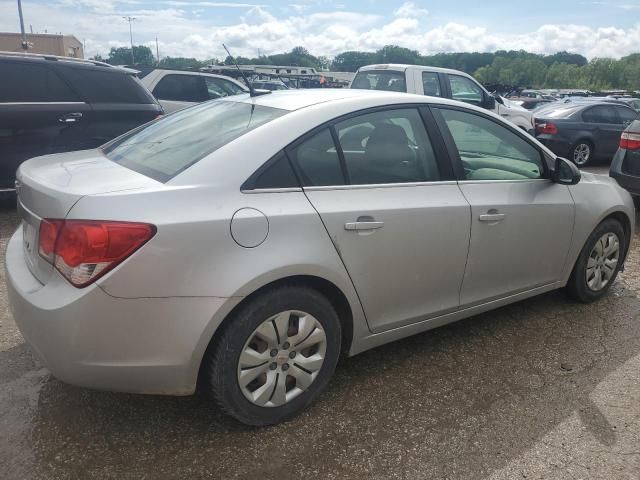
[431, 84]
[380, 80]
[218, 88]
[490, 151]
[465, 90]
[164, 148]
[600, 114]
[23, 82]
[181, 88]
[389, 146]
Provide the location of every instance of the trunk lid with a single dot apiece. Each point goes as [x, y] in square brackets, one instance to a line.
[49, 186]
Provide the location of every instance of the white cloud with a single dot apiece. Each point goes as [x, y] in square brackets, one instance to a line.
[181, 33]
[410, 10]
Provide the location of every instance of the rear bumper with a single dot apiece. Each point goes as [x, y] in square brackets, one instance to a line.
[622, 175]
[88, 338]
[559, 147]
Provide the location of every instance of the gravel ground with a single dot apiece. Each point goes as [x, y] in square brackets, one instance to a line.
[543, 389]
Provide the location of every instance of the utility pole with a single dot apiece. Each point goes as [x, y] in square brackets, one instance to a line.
[25, 44]
[157, 53]
[130, 20]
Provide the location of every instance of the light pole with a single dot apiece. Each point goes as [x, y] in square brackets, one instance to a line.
[130, 20]
[25, 44]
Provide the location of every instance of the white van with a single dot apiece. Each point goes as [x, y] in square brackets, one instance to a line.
[440, 82]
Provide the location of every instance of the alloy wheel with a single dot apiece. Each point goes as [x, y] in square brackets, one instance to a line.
[603, 261]
[282, 358]
[581, 154]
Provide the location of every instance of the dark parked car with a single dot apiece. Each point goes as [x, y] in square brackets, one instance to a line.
[56, 104]
[583, 131]
[625, 167]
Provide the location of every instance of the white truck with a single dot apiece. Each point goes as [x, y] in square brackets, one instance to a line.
[440, 82]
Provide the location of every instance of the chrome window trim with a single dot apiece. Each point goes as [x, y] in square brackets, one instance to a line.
[515, 180]
[43, 103]
[273, 190]
[379, 185]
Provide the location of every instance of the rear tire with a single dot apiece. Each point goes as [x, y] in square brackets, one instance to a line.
[581, 153]
[294, 362]
[599, 262]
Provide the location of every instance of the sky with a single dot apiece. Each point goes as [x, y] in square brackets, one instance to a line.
[197, 28]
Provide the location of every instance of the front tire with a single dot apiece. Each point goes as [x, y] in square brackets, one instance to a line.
[274, 356]
[599, 262]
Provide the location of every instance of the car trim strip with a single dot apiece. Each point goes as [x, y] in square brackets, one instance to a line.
[378, 185]
[273, 190]
[43, 103]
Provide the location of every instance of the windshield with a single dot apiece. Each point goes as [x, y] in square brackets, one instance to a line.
[163, 149]
[380, 80]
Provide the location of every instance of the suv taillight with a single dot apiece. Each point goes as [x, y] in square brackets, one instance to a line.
[547, 128]
[630, 141]
[84, 250]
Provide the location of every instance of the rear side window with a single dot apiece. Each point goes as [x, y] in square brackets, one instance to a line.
[108, 85]
[23, 82]
[276, 173]
[380, 80]
[218, 88]
[390, 146]
[600, 114]
[431, 84]
[164, 148]
[182, 88]
[626, 115]
[317, 160]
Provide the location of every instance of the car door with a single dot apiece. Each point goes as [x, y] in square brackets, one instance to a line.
[39, 114]
[606, 129]
[118, 100]
[177, 91]
[387, 198]
[521, 222]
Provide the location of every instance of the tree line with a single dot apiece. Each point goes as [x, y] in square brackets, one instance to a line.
[518, 68]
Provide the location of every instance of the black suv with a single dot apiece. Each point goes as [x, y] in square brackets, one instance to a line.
[54, 104]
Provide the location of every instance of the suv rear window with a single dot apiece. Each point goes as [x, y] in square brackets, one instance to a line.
[163, 149]
[27, 82]
[380, 80]
[108, 85]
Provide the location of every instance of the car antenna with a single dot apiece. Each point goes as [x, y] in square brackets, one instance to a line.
[252, 91]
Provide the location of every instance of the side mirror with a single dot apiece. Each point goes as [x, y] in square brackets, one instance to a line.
[498, 99]
[565, 172]
[489, 102]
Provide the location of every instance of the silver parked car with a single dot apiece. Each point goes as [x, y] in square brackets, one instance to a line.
[248, 242]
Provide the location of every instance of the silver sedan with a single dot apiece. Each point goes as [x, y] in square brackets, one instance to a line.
[243, 244]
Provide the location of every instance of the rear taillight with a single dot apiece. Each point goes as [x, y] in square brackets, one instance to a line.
[547, 128]
[630, 141]
[84, 250]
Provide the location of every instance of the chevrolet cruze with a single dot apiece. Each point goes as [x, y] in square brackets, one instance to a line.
[243, 244]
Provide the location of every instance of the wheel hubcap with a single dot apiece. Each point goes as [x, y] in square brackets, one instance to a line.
[603, 261]
[581, 154]
[282, 358]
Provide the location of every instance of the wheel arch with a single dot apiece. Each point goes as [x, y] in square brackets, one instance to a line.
[326, 287]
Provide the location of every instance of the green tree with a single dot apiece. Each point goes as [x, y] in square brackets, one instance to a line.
[122, 56]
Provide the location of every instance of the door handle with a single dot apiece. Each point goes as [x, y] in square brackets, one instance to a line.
[361, 226]
[70, 117]
[492, 216]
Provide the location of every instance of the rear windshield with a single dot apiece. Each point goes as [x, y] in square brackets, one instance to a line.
[561, 112]
[380, 80]
[164, 148]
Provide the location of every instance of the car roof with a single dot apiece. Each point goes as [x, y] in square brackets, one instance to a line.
[296, 99]
[404, 66]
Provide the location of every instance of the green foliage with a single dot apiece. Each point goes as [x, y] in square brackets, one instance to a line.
[513, 67]
[122, 56]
